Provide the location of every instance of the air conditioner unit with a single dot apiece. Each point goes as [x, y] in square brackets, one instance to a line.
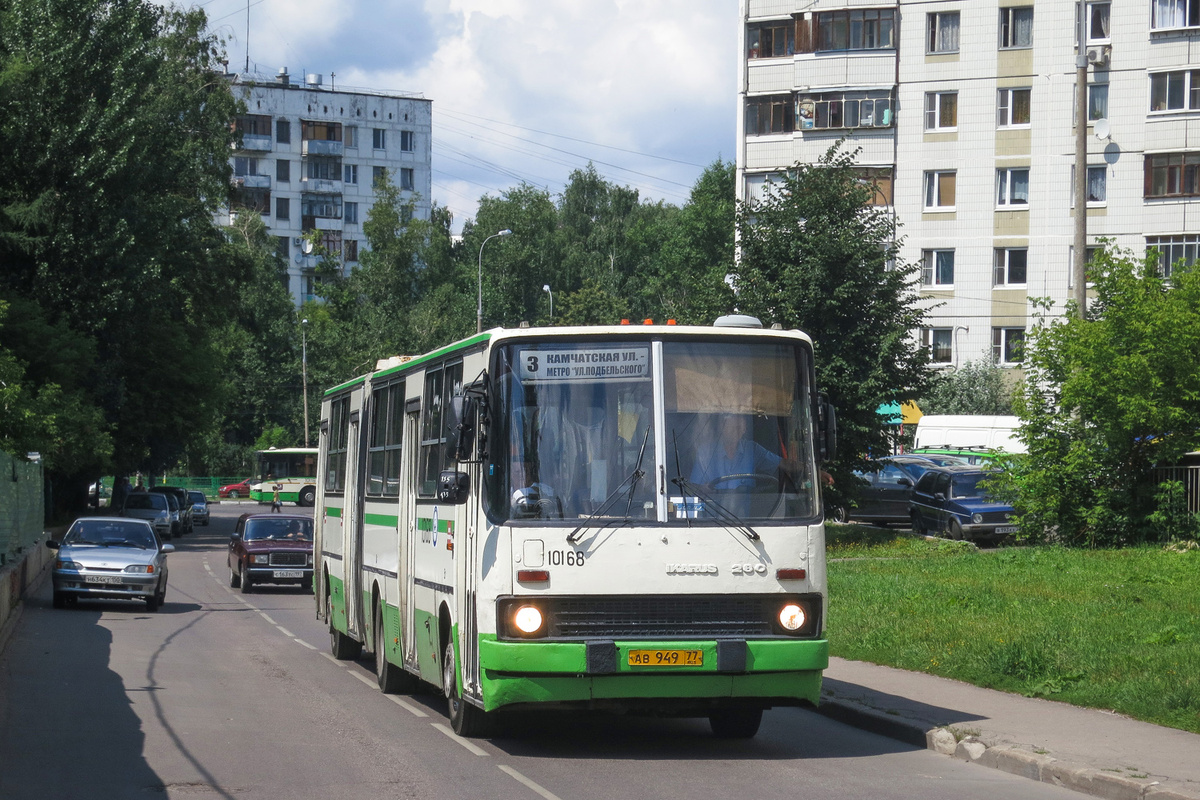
[296, 241]
[1098, 56]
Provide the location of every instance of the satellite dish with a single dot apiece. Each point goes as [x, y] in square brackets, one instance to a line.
[1101, 128]
[306, 246]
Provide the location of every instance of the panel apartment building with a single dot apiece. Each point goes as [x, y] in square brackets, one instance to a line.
[309, 158]
[964, 113]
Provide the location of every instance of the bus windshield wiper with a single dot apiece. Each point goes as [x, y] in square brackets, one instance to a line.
[727, 518]
[632, 479]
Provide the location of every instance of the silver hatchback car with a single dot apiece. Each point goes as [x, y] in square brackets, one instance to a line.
[154, 508]
[110, 558]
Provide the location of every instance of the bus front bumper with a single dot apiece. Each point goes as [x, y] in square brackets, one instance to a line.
[771, 672]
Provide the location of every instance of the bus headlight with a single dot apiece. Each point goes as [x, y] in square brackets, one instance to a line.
[528, 620]
[792, 617]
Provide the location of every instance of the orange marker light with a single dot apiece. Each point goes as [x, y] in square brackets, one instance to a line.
[533, 575]
[790, 574]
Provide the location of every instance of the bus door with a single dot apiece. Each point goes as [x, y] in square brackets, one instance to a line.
[406, 527]
[467, 544]
[352, 522]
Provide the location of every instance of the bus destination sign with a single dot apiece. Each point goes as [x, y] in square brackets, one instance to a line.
[591, 364]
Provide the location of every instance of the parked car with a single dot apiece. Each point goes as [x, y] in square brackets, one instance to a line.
[110, 557]
[883, 497]
[199, 506]
[235, 490]
[271, 548]
[975, 456]
[183, 503]
[153, 507]
[953, 500]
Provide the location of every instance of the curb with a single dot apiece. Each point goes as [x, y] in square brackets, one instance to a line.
[1014, 759]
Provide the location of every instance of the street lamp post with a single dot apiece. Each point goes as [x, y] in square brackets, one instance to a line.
[546, 289]
[479, 310]
[304, 373]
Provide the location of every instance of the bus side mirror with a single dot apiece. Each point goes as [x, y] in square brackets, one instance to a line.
[827, 424]
[453, 487]
[460, 427]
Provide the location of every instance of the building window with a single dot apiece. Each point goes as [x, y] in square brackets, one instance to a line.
[1089, 256]
[1167, 14]
[939, 191]
[1012, 108]
[252, 200]
[283, 170]
[406, 179]
[866, 29]
[1173, 249]
[771, 39]
[324, 169]
[1007, 345]
[845, 110]
[331, 241]
[1175, 91]
[378, 174]
[1011, 266]
[940, 344]
[1012, 187]
[350, 250]
[1097, 101]
[320, 131]
[379, 138]
[351, 212]
[1097, 185]
[941, 111]
[408, 141]
[1097, 16]
[937, 268]
[1016, 27]
[253, 125]
[1172, 175]
[775, 114]
[282, 247]
[879, 181]
[325, 206]
[942, 27]
[243, 166]
[283, 208]
[283, 131]
[351, 135]
[351, 173]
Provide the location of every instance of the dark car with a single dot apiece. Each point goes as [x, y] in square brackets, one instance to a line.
[235, 490]
[182, 502]
[953, 500]
[199, 506]
[883, 496]
[271, 548]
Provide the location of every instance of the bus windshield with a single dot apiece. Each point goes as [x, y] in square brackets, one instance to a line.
[578, 423]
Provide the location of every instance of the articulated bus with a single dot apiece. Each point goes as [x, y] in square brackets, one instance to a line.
[620, 517]
[293, 469]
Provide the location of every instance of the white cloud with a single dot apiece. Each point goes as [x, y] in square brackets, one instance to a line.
[656, 78]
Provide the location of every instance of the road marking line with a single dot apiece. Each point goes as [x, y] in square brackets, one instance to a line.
[364, 679]
[334, 660]
[286, 632]
[522, 779]
[456, 738]
[264, 615]
[306, 644]
[409, 707]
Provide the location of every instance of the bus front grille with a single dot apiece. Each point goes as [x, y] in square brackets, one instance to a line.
[662, 616]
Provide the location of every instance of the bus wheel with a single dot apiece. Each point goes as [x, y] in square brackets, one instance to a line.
[308, 496]
[466, 720]
[391, 678]
[341, 646]
[735, 723]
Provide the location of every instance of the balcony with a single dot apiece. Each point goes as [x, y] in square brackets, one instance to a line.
[252, 181]
[321, 185]
[260, 144]
[321, 147]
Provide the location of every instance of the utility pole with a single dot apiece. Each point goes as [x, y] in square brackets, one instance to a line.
[1078, 268]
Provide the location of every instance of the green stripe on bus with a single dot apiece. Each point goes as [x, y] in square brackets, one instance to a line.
[416, 362]
[426, 524]
[333, 511]
[388, 520]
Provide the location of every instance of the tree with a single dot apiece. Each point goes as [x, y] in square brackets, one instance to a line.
[816, 255]
[977, 387]
[1105, 399]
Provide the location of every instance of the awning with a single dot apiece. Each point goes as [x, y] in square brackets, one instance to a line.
[896, 414]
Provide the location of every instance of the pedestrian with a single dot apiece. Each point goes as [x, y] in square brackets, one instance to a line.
[276, 504]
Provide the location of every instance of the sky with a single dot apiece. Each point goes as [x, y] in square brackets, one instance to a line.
[522, 90]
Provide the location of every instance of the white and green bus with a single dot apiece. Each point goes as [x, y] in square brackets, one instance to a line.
[624, 517]
[292, 469]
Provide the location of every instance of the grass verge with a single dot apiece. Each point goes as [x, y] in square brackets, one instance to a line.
[1111, 629]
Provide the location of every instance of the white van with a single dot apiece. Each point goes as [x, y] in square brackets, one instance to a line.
[968, 432]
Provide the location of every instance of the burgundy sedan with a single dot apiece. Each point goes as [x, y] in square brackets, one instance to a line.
[271, 548]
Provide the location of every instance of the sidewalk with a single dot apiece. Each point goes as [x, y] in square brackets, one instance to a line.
[1094, 752]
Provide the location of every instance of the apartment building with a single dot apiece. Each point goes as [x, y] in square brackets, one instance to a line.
[309, 157]
[964, 113]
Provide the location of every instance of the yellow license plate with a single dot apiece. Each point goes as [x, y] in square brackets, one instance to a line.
[666, 658]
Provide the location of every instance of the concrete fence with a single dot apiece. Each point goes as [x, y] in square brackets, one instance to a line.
[23, 554]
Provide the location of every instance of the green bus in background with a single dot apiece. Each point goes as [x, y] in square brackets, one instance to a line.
[292, 469]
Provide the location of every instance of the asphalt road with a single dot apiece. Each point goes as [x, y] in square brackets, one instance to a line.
[221, 694]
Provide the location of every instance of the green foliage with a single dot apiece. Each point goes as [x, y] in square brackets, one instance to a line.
[1104, 400]
[274, 436]
[977, 387]
[1171, 515]
[816, 255]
